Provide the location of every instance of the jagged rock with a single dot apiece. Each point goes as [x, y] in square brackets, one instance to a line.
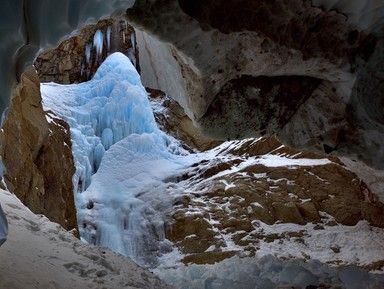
[228, 197]
[172, 119]
[76, 59]
[37, 155]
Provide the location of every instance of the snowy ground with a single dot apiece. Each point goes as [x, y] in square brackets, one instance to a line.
[269, 272]
[41, 254]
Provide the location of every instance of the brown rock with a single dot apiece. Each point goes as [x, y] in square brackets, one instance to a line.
[309, 212]
[208, 257]
[67, 63]
[288, 212]
[37, 155]
[174, 121]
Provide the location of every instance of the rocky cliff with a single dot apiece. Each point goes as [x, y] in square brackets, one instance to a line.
[36, 151]
[77, 58]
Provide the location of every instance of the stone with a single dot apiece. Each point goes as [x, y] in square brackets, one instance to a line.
[37, 155]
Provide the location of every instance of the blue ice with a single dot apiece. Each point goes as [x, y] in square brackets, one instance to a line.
[119, 153]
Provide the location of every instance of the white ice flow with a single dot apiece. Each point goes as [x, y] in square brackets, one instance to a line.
[119, 153]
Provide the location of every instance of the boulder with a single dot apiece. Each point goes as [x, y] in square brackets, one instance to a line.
[36, 152]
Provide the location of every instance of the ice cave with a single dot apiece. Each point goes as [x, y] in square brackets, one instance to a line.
[192, 144]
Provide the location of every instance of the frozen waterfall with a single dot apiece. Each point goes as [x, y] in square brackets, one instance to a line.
[119, 153]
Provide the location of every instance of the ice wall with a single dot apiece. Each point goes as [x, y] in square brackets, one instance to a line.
[119, 153]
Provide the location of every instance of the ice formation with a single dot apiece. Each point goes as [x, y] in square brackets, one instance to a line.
[98, 40]
[115, 136]
[88, 53]
[109, 30]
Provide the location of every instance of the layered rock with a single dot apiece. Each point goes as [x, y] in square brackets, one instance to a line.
[77, 58]
[36, 151]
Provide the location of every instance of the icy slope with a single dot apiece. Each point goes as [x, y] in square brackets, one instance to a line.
[41, 254]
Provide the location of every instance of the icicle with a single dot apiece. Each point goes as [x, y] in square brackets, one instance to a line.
[109, 38]
[133, 41]
[88, 53]
[98, 42]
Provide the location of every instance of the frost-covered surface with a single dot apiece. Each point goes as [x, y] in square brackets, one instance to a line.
[41, 254]
[269, 273]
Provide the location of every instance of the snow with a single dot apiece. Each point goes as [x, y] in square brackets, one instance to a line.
[270, 160]
[268, 272]
[360, 244]
[41, 254]
[98, 39]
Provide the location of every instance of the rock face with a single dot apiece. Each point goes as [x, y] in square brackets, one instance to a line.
[222, 55]
[227, 196]
[36, 151]
[77, 58]
[172, 119]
